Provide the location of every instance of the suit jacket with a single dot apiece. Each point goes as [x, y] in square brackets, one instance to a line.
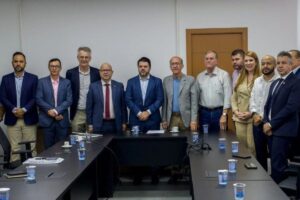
[45, 101]
[95, 105]
[73, 76]
[27, 101]
[153, 100]
[298, 73]
[188, 101]
[285, 107]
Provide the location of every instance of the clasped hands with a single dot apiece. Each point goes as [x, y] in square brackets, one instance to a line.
[53, 113]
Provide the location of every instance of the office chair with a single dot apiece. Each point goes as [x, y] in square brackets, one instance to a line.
[24, 154]
[292, 183]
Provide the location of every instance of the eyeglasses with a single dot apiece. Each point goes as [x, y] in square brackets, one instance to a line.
[105, 70]
[54, 66]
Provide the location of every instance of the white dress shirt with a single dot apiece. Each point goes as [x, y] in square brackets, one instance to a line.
[84, 83]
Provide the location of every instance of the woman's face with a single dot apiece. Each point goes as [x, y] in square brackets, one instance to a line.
[250, 63]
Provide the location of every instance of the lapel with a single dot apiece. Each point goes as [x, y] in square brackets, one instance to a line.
[138, 89]
[100, 92]
[182, 83]
[52, 101]
[76, 80]
[149, 87]
[59, 89]
[284, 84]
[170, 86]
[113, 93]
[12, 84]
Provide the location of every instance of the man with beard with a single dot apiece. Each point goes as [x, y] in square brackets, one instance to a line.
[18, 98]
[258, 99]
[237, 58]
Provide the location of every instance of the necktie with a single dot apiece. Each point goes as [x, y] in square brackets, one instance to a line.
[107, 113]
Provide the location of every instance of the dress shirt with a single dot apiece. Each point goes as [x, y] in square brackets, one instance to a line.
[84, 83]
[235, 76]
[111, 105]
[296, 69]
[214, 89]
[144, 84]
[19, 82]
[259, 94]
[175, 102]
[55, 84]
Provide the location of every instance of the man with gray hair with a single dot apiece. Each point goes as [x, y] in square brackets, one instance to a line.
[81, 77]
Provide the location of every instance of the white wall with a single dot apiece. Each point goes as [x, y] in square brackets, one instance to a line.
[121, 31]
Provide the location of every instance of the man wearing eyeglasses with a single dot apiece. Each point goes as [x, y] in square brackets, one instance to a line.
[54, 97]
[105, 107]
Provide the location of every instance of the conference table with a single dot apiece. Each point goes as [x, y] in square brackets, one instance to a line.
[74, 179]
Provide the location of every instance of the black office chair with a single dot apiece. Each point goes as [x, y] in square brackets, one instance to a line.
[24, 154]
[291, 185]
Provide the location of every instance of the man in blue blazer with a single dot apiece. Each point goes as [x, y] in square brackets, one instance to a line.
[281, 115]
[54, 97]
[18, 98]
[81, 77]
[144, 96]
[105, 107]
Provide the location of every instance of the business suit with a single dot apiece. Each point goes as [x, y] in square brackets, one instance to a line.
[25, 128]
[153, 101]
[73, 76]
[95, 106]
[188, 101]
[284, 107]
[53, 130]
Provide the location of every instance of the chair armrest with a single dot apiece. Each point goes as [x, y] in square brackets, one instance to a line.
[27, 142]
[22, 151]
[293, 163]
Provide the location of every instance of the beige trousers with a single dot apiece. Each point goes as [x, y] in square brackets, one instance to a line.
[21, 132]
[79, 122]
[176, 120]
[244, 132]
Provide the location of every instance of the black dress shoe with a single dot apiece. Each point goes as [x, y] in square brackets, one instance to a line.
[154, 180]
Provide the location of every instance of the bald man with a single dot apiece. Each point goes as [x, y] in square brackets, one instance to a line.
[105, 106]
[258, 100]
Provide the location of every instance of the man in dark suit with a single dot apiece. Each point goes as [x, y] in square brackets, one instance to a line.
[144, 97]
[18, 98]
[81, 77]
[54, 97]
[105, 107]
[281, 114]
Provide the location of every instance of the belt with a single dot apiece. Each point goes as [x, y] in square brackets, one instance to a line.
[211, 109]
[108, 120]
[176, 114]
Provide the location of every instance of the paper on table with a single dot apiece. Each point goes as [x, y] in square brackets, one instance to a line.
[83, 134]
[43, 160]
[155, 132]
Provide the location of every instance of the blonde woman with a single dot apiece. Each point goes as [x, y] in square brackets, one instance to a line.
[240, 98]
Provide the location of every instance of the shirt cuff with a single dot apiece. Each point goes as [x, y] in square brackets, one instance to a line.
[139, 113]
[149, 111]
[55, 111]
[24, 109]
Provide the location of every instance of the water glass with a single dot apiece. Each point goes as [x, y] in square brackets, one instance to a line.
[222, 143]
[135, 130]
[81, 154]
[205, 128]
[31, 173]
[4, 193]
[223, 176]
[239, 191]
[234, 147]
[72, 139]
[232, 165]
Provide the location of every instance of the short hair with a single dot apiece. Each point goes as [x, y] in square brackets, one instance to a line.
[211, 51]
[19, 53]
[144, 59]
[285, 54]
[85, 49]
[238, 51]
[181, 60]
[296, 52]
[53, 60]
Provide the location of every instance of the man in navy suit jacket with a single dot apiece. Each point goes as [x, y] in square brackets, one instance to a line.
[18, 98]
[281, 115]
[54, 97]
[81, 77]
[105, 107]
[144, 96]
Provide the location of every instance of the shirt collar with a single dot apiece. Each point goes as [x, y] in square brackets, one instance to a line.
[144, 79]
[214, 72]
[19, 76]
[103, 82]
[284, 77]
[84, 73]
[54, 81]
[296, 69]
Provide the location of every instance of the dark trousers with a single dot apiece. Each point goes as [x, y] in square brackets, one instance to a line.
[210, 117]
[279, 154]
[108, 126]
[262, 145]
[53, 134]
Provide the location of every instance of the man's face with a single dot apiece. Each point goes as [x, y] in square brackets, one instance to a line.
[267, 65]
[237, 61]
[144, 69]
[106, 72]
[283, 65]
[84, 58]
[54, 68]
[18, 63]
[295, 61]
[176, 66]
[210, 61]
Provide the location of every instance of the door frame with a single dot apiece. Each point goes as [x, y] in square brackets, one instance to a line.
[190, 32]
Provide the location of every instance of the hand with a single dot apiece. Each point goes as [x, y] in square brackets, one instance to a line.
[267, 129]
[19, 112]
[59, 117]
[90, 129]
[257, 119]
[124, 127]
[193, 126]
[144, 116]
[164, 125]
[51, 113]
[223, 122]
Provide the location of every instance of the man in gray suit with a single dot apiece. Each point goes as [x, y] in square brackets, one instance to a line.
[54, 97]
[181, 103]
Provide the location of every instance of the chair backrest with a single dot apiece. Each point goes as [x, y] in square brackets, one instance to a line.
[5, 146]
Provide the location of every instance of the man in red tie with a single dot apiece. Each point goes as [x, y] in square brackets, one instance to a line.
[105, 107]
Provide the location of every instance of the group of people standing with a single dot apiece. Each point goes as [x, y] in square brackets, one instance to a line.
[265, 103]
